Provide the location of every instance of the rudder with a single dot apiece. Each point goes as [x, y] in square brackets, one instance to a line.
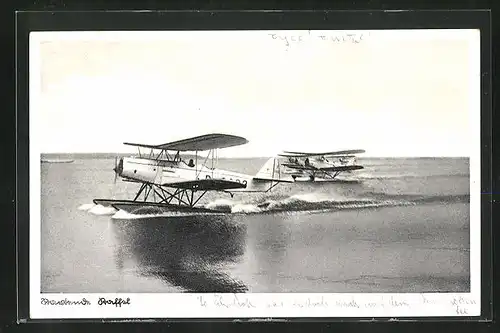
[271, 171]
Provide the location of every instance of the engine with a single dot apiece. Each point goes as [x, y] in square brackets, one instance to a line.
[138, 169]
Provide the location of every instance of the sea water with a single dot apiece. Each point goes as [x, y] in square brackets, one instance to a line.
[399, 225]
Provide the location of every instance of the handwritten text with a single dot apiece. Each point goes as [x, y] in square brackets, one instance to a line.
[227, 302]
[337, 38]
[461, 305]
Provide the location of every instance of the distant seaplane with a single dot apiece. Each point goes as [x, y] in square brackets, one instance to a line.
[170, 182]
[320, 166]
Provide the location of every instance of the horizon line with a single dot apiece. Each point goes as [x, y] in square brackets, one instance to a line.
[244, 157]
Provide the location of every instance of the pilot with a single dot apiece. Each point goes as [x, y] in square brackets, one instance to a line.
[191, 163]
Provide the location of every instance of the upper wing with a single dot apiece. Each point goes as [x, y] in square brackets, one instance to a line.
[206, 185]
[332, 153]
[198, 143]
[287, 154]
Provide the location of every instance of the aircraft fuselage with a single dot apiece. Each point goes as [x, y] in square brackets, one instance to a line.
[164, 172]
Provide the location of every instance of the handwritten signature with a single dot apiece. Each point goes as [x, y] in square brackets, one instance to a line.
[65, 301]
[118, 302]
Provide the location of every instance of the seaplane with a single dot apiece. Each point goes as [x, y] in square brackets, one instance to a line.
[170, 182]
[327, 166]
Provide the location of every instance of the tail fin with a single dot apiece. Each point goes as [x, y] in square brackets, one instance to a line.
[271, 171]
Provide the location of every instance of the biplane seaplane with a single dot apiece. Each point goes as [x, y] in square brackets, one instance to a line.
[171, 182]
[320, 166]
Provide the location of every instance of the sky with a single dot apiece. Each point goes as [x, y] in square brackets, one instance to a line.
[392, 93]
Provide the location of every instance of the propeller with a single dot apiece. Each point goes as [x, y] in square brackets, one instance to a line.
[115, 169]
[117, 172]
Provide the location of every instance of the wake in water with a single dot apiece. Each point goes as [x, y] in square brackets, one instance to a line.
[309, 202]
[97, 209]
[123, 215]
[411, 175]
[298, 203]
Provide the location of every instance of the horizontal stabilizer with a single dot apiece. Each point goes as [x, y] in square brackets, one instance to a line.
[206, 185]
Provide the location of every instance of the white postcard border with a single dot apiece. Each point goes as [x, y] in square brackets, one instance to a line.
[190, 305]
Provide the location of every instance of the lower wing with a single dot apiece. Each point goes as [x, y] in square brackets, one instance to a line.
[298, 166]
[343, 168]
[206, 185]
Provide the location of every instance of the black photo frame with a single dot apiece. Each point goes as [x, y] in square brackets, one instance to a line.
[30, 21]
